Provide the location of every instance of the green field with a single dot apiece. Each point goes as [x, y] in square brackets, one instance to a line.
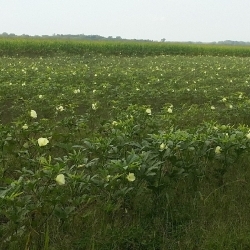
[111, 145]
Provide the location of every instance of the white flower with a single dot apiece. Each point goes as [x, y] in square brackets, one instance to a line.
[40, 96]
[42, 141]
[94, 106]
[213, 107]
[230, 106]
[114, 123]
[163, 146]
[248, 136]
[94, 90]
[33, 114]
[170, 110]
[224, 99]
[60, 108]
[60, 179]
[217, 150]
[148, 111]
[25, 126]
[77, 91]
[131, 177]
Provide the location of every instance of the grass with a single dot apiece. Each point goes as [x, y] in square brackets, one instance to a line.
[179, 123]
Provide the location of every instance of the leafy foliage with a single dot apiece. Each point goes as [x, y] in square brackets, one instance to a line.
[104, 151]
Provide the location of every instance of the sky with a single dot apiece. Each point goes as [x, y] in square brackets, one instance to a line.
[174, 20]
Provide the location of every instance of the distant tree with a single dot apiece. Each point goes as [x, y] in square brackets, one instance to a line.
[4, 34]
[163, 40]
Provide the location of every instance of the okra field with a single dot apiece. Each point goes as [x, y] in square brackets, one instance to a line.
[111, 145]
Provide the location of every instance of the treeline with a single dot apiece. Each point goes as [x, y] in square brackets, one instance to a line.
[74, 37]
[110, 38]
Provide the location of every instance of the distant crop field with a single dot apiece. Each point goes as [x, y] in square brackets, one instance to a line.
[48, 47]
[123, 145]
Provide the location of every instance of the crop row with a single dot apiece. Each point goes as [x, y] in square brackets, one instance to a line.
[40, 47]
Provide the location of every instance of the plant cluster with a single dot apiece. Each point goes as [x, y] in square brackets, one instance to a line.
[117, 152]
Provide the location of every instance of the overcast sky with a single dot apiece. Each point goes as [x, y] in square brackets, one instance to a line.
[174, 20]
